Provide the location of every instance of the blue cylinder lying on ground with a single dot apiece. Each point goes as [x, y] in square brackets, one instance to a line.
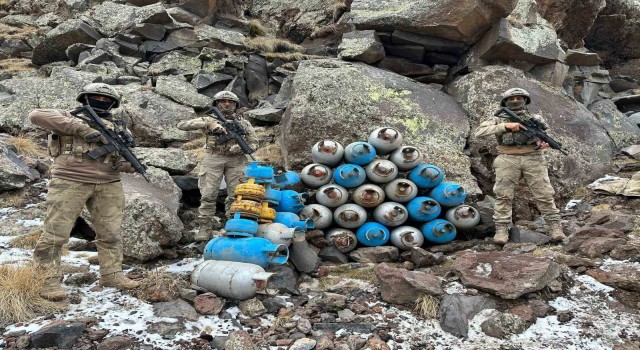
[426, 176]
[349, 175]
[439, 231]
[253, 250]
[292, 220]
[238, 227]
[290, 201]
[372, 234]
[261, 173]
[448, 194]
[361, 153]
[423, 209]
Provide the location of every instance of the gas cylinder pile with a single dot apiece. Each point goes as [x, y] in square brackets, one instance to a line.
[380, 191]
[262, 230]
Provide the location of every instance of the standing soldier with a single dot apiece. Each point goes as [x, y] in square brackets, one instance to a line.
[78, 180]
[226, 159]
[519, 155]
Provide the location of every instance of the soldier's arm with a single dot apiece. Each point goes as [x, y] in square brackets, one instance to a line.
[490, 127]
[54, 120]
[252, 138]
[199, 123]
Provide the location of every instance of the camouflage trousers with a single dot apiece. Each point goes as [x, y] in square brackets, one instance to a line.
[509, 170]
[65, 201]
[213, 167]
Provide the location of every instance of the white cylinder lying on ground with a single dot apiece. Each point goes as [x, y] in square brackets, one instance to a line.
[230, 279]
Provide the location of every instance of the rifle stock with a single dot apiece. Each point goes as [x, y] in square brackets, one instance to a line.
[532, 129]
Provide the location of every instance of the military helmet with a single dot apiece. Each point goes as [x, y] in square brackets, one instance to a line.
[101, 89]
[226, 95]
[515, 92]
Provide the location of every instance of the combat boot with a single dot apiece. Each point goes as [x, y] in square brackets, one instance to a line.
[52, 290]
[502, 234]
[556, 232]
[204, 229]
[119, 281]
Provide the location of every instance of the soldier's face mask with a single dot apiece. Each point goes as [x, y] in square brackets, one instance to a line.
[101, 104]
[227, 107]
[515, 102]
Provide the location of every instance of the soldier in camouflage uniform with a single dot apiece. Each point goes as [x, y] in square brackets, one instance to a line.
[520, 156]
[220, 159]
[78, 180]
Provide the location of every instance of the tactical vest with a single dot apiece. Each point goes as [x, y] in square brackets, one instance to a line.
[76, 146]
[222, 148]
[517, 138]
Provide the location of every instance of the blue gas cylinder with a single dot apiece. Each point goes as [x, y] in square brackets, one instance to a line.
[287, 178]
[262, 174]
[439, 231]
[292, 220]
[448, 194]
[361, 153]
[349, 175]
[253, 250]
[423, 209]
[426, 175]
[238, 227]
[372, 234]
[272, 195]
[291, 201]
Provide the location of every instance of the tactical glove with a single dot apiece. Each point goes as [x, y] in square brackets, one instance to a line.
[235, 149]
[124, 167]
[91, 135]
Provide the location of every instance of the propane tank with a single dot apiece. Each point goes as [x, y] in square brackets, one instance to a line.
[350, 215]
[448, 194]
[342, 239]
[391, 214]
[261, 173]
[368, 195]
[292, 220]
[231, 279]
[291, 201]
[327, 152]
[332, 195]
[406, 158]
[276, 233]
[315, 175]
[463, 217]
[381, 171]
[372, 234]
[361, 153]
[253, 250]
[426, 176]
[349, 175]
[286, 179]
[272, 195]
[423, 209]
[321, 215]
[401, 190]
[238, 227]
[406, 237]
[439, 231]
[385, 140]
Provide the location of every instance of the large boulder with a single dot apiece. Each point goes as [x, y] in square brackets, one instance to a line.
[173, 160]
[334, 99]
[113, 18]
[507, 276]
[616, 30]
[572, 19]
[616, 124]
[14, 173]
[401, 286]
[630, 68]
[54, 45]
[459, 20]
[361, 45]
[581, 134]
[178, 89]
[297, 19]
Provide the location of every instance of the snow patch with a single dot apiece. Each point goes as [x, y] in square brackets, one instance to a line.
[603, 180]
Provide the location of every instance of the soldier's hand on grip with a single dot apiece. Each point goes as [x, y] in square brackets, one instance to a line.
[513, 127]
[235, 149]
[125, 167]
[91, 135]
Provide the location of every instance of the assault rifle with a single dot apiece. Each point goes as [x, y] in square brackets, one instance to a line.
[533, 129]
[235, 131]
[116, 141]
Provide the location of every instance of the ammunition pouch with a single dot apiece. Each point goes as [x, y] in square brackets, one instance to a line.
[53, 145]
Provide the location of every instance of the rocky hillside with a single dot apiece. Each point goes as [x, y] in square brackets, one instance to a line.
[315, 69]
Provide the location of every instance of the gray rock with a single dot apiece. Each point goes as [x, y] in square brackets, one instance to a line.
[175, 309]
[521, 235]
[310, 14]
[219, 38]
[428, 42]
[14, 173]
[52, 48]
[375, 254]
[273, 304]
[175, 62]
[113, 18]
[460, 21]
[252, 308]
[331, 97]
[303, 344]
[618, 17]
[203, 79]
[405, 67]
[270, 115]
[303, 257]
[285, 279]
[594, 242]
[116, 343]
[617, 125]
[582, 58]
[239, 340]
[456, 310]
[330, 301]
[332, 254]
[167, 330]
[503, 326]
[255, 74]
[361, 46]
[503, 274]
[153, 13]
[60, 334]
[181, 91]
[183, 16]
[401, 286]
[19, 20]
[422, 258]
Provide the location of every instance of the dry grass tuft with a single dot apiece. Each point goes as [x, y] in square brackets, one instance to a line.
[27, 241]
[270, 154]
[11, 32]
[291, 56]
[27, 146]
[427, 306]
[267, 45]
[256, 28]
[16, 65]
[19, 299]
[159, 281]
[14, 199]
[347, 271]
